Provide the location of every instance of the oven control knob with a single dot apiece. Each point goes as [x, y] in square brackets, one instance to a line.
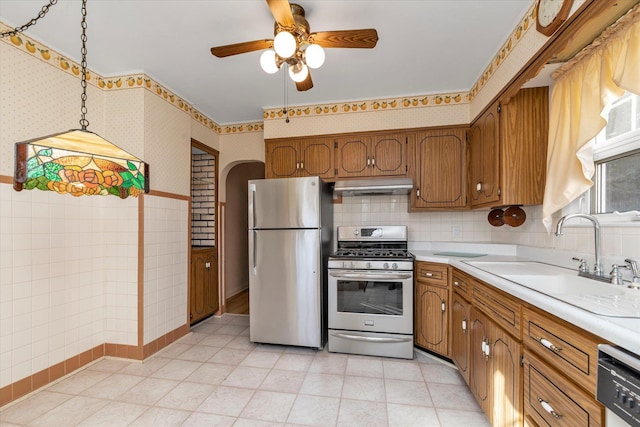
[368, 265]
[394, 266]
[623, 398]
[385, 265]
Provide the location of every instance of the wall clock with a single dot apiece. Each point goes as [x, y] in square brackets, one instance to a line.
[551, 14]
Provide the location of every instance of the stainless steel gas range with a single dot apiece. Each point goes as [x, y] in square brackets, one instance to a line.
[370, 291]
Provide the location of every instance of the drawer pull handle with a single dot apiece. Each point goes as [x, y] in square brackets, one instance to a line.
[545, 405]
[548, 344]
[456, 283]
[428, 274]
[464, 326]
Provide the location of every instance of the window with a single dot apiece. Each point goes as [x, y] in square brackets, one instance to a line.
[616, 154]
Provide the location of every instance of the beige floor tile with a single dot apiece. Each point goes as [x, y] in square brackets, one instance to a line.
[186, 396]
[217, 340]
[363, 388]
[294, 362]
[199, 353]
[210, 373]
[328, 385]
[246, 332]
[193, 337]
[329, 364]
[246, 376]
[177, 370]
[314, 411]
[115, 414]
[145, 368]
[174, 350]
[109, 365]
[241, 343]
[441, 374]
[148, 391]
[275, 348]
[78, 382]
[407, 393]
[402, 370]
[450, 396]
[228, 401]
[364, 366]
[113, 386]
[229, 356]
[239, 320]
[457, 418]
[261, 359]
[71, 412]
[269, 406]
[157, 417]
[283, 381]
[230, 329]
[207, 328]
[199, 419]
[413, 416]
[362, 413]
[244, 422]
[32, 407]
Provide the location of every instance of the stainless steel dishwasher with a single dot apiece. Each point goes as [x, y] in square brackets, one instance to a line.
[618, 385]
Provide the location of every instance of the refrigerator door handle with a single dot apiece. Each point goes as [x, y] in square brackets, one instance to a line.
[255, 255]
[370, 276]
[370, 339]
[253, 206]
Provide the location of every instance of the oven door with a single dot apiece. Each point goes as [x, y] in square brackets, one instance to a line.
[375, 301]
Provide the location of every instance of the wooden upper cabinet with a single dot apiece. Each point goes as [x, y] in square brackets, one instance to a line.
[294, 158]
[377, 155]
[440, 170]
[483, 151]
[508, 151]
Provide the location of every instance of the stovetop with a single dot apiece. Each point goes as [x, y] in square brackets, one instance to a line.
[366, 253]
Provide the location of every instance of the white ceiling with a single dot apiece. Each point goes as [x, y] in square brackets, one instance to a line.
[424, 47]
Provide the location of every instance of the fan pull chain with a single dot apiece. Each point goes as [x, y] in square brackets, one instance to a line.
[286, 97]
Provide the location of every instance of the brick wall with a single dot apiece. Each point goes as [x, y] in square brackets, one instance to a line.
[203, 209]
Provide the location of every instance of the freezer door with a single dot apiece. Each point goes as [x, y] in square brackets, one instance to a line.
[284, 203]
[285, 299]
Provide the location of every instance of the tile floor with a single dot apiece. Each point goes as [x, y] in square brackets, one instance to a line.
[216, 377]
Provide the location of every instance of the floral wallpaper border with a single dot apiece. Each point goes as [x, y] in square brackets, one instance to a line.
[47, 55]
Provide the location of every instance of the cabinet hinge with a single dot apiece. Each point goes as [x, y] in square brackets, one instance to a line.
[522, 360]
[406, 168]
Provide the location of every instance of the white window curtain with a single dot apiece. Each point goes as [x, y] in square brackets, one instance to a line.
[597, 76]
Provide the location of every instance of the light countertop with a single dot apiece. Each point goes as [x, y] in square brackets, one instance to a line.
[624, 332]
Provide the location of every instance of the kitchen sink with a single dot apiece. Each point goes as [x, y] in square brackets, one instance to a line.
[565, 285]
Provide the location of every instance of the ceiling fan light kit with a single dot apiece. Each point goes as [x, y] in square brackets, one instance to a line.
[295, 44]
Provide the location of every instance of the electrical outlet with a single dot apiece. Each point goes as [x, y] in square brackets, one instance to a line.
[456, 231]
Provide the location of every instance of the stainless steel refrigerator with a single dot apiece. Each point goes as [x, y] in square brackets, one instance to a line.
[290, 233]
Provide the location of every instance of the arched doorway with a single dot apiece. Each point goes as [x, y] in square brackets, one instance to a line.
[235, 230]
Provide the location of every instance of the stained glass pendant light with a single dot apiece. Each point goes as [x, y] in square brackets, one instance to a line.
[79, 162]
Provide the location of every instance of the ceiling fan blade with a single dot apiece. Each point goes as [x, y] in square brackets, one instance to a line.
[281, 11]
[237, 48]
[306, 84]
[364, 39]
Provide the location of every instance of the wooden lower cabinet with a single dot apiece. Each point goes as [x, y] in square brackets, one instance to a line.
[479, 376]
[203, 288]
[460, 336]
[552, 400]
[431, 314]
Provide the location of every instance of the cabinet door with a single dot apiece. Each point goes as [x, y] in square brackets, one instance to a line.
[506, 383]
[479, 377]
[441, 169]
[460, 337]
[431, 318]
[212, 298]
[316, 158]
[281, 160]
[483, 151]
[388, 155]
[353, 157]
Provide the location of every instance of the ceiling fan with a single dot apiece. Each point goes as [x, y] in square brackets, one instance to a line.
[295, 45]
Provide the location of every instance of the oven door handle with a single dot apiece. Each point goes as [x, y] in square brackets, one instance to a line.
[371, 276]
[370, 339]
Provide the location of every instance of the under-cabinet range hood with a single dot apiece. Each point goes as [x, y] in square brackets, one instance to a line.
[373, 186]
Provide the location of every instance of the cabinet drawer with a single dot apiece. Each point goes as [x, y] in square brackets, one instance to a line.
[432, 273]
[551, 400]
[503, 309]
[461, 284]
[570, 349]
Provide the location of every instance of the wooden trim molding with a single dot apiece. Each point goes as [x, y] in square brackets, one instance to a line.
[6, 179]
[168, 195]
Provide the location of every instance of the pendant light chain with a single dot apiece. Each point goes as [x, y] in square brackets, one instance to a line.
[83, 65]
[20, 29]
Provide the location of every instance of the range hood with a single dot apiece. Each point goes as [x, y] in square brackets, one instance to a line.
[373, 186]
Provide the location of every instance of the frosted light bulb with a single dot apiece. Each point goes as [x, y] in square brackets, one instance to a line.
[268, 61]
[299, 76]
[314, 56]
[284, 44]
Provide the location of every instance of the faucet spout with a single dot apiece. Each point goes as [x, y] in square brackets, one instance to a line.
[597, 268]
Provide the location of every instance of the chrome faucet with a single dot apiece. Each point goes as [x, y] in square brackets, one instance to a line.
[597, 268]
